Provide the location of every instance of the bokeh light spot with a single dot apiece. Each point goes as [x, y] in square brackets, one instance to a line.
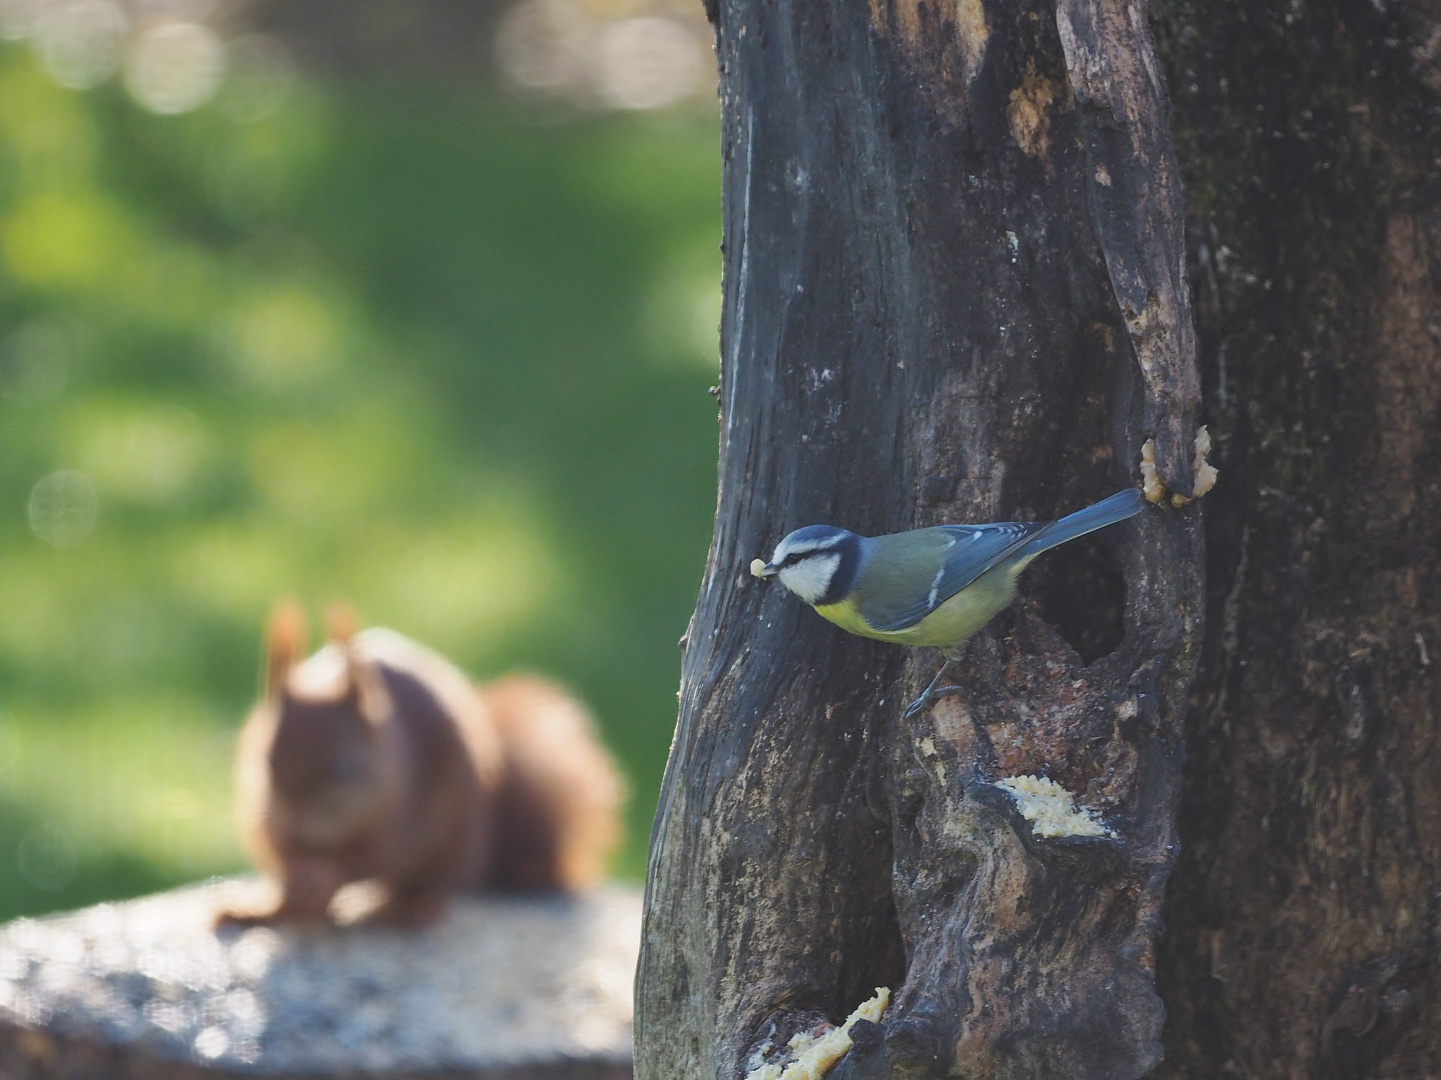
[55, 239]
[17, 19]
[467, 583]
[540, 44]
[286, 338]
[81, 40]
[330, 473]
[64, 508]
[649, 63]
[150, 455]
[175, 67]
[234, 569]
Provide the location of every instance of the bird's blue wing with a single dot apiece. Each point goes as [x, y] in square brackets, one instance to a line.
[909, 575]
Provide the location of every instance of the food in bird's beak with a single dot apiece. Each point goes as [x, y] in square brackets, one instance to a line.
[758, 568]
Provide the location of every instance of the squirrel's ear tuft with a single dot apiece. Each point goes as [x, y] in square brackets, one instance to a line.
[372, 699]
[365, 681]
[284, 645]
[341, 623]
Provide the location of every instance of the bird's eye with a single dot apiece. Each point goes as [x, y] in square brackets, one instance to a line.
[793, 558]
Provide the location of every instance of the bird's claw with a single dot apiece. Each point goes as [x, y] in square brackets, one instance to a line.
[932, 691]
[929, 696]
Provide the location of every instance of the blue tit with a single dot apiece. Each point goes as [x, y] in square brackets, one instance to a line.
[933, 586]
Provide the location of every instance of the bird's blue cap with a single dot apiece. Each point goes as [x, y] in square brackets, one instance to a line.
[810, 533]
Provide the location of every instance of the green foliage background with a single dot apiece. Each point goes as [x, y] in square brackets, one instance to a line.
[445, 358]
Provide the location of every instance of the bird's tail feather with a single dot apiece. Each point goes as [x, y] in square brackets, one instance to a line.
[1118, 507]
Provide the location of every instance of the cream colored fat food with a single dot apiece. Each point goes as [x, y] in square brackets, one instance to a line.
[1206, 474]
[815, 1055]
[1050, 808]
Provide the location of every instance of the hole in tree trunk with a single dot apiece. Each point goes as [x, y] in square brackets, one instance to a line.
[1079, 590]
[882, 962]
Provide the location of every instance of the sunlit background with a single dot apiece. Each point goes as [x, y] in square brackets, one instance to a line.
[413, 304]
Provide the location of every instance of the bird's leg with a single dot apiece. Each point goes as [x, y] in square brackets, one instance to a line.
[932, 692]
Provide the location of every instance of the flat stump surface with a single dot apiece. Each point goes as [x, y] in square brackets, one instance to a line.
[500, 987]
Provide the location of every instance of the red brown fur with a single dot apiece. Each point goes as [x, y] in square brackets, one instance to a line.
[376, 759]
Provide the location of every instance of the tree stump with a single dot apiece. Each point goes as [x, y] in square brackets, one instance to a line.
[513, 988]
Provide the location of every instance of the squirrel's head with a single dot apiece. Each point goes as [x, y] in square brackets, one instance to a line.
[327, 760]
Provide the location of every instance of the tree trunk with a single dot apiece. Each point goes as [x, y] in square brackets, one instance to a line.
[1303, 916]
[954, 269]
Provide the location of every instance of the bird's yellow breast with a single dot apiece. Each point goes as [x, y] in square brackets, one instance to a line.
[949, 625]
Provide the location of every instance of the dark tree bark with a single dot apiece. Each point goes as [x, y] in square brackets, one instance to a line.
[945, 230]
[954, 292]
[1303, 916]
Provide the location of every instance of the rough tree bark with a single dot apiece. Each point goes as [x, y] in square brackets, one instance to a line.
[931, 314]
[1303, 925]
[955, 291]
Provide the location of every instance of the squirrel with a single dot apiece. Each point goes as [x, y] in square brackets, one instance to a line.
[377, 758]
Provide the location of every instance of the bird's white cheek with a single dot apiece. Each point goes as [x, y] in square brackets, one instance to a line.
[811, 578]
